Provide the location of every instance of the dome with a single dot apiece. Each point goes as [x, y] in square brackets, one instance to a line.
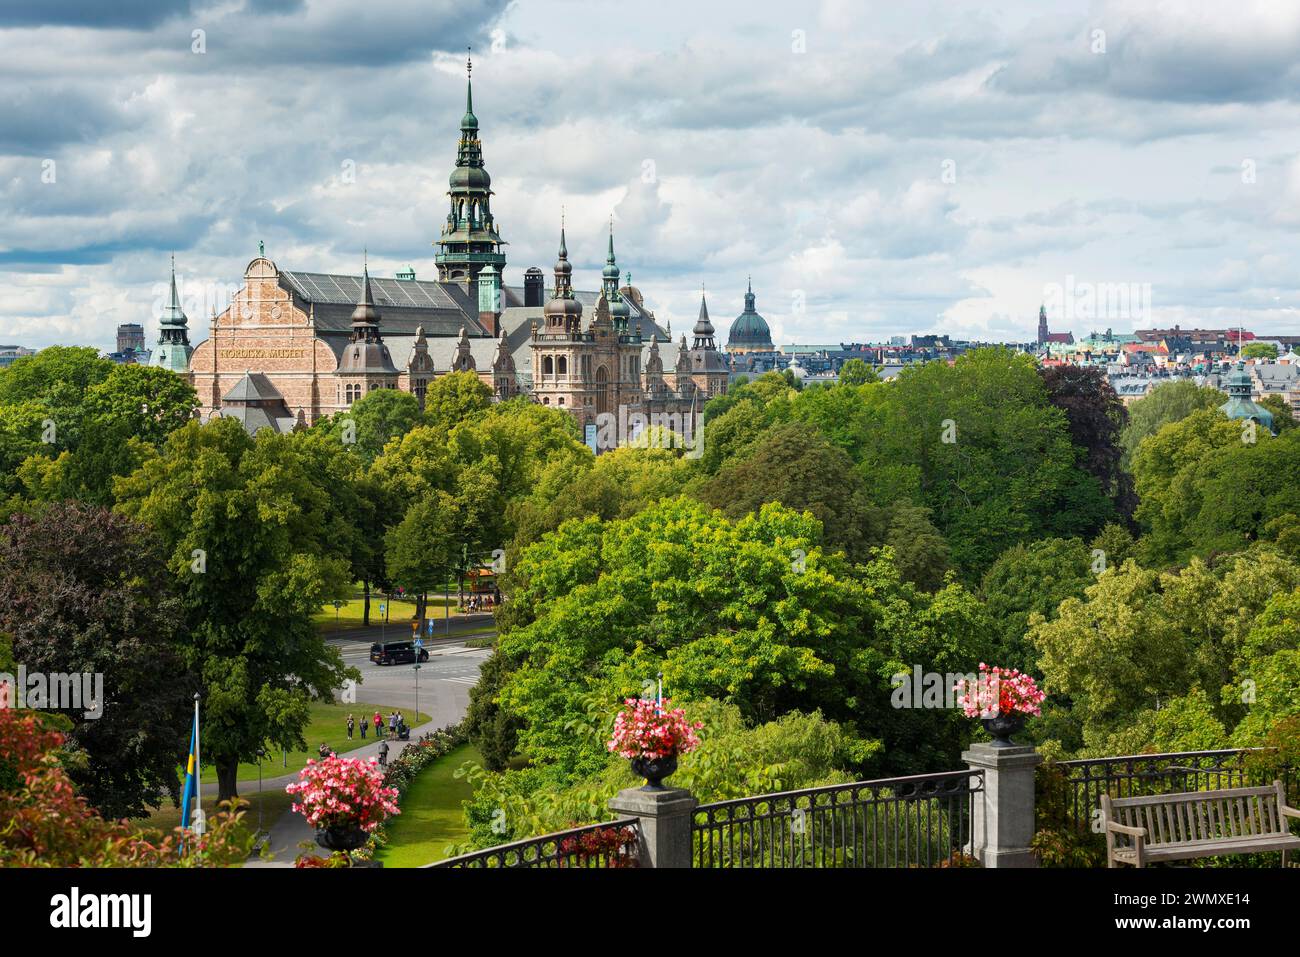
[470, 177]
[749, 331]
[564, 307]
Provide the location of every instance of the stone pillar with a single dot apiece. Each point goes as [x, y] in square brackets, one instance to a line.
[665, 823]
[1003, 822]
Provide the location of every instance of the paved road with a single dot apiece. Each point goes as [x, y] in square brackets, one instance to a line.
[445, 680]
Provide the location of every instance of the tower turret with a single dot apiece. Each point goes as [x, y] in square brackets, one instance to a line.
[173, 350]
[470, 239]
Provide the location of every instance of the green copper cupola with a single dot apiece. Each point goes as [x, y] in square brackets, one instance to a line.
[619, 310]
[173, 350]
[469, 239]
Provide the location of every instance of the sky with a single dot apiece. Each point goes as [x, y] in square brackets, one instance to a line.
[878, 169]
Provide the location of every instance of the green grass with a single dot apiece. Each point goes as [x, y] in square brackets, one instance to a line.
[431, 817]
[329, 725]
[400, 614]
[273, 802]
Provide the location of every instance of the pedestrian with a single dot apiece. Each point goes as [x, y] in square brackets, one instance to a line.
[364, 724]
[392, 723]
[379, 723]
[383, 754]
[351, 724]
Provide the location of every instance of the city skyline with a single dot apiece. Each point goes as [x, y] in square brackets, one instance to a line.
[878, 174]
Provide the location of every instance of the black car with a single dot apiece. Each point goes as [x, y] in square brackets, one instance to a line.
[395, 653]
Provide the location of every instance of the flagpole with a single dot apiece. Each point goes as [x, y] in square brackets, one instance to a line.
[198, 760]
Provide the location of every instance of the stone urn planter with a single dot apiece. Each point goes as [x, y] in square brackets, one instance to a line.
[654, 770]
[1003, 727]
[347, 838]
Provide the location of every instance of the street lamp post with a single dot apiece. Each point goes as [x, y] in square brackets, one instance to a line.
[261, 753]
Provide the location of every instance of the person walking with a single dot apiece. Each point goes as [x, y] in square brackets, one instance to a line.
[352, 722]
[392, 723]
[364, 724]
[383, 754]
[379, 724]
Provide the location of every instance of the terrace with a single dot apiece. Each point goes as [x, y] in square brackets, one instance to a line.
[1007, 809]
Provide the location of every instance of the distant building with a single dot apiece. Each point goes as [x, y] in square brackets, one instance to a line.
[749, 331]
[1045, 335]
[11, 354]
[130, 337]
[1240, 405]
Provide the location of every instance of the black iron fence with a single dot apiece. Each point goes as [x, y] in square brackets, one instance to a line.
[918, 821]
[610, 844]
[1079, 784]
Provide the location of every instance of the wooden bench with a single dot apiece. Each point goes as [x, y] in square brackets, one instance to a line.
[1177, 827]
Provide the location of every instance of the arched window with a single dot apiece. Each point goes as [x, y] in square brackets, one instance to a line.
[562, 365]
[560, 401]
[548, 367]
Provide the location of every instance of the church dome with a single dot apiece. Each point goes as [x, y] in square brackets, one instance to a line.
[749, 331]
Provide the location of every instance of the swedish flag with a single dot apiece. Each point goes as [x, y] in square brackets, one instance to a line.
[191, 772]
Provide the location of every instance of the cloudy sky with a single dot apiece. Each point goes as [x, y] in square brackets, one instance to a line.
[878, 168]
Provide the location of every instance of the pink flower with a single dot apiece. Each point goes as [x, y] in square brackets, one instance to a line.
[343, 792]
[646, 729]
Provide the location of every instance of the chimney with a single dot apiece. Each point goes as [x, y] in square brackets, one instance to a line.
[534, 287]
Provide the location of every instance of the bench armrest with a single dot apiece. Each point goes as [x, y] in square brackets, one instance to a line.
[1125, 829]
[1288, 811]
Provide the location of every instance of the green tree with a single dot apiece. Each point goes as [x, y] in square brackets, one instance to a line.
[256, 545]
[1283, 416]
[85, 591]
[794, 464]
[1205, 487]
[58, 377]
[754, 612]
[455, 398]
[1032, 579]
[1259, 350]
[374, 420]
[421, 551]
[857, 372]
[1165, 404]
[1096, 417]
[122, 420]
[981, 446]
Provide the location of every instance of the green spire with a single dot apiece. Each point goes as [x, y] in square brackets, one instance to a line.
[173, 349]
[610, 272]
[469, 121]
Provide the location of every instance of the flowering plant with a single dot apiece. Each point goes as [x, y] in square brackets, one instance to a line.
[646, 729]
[999, 691]
[343, 792]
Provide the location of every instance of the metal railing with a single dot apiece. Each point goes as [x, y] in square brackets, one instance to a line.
[609, 844]
[918, 821]
[1085, 780]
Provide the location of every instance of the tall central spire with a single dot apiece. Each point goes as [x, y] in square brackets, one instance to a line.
[470, 239]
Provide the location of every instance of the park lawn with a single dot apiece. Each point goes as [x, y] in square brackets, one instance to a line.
[432, 817]
[329, 725]
[400, 614]
[272, 801]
